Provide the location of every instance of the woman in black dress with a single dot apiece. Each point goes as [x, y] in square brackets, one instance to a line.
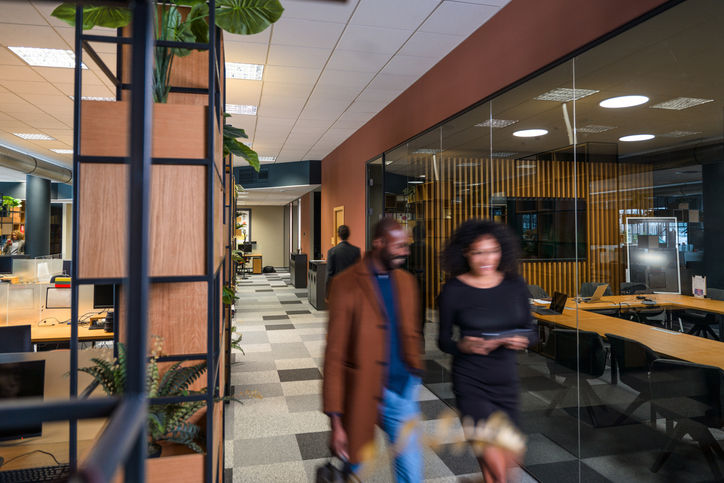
[488, 301]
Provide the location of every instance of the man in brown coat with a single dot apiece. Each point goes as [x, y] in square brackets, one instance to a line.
[374, 353]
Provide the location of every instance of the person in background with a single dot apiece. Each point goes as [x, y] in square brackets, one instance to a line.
[341, 257]
[15, 244]
[373, 358]
[488, 301]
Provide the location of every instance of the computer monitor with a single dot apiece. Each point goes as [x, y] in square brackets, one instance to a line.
[103, 296]
[246, 247]
[66, 267]
[6, 265]
[559, 302]
[18, 380]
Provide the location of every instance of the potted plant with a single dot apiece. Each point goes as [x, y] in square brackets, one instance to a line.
[8, 203]
[410, 192]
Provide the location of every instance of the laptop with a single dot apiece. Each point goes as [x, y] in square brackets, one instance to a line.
[557, 305]
[597, 294]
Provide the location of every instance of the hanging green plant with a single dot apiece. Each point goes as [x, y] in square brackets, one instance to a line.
[232, 145]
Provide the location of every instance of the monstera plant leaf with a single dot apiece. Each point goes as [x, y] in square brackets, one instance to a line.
[247, 17]
[111, 17]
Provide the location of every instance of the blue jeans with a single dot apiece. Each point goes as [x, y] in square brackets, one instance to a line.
[395, 411]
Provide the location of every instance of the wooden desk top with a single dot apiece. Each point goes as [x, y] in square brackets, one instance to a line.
[661, 299]
[671, 344]
[61, 333]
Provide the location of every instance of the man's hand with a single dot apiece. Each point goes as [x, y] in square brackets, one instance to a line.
[517, 342]
[478, 345]
[338, 440]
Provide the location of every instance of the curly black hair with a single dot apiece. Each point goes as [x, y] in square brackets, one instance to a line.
[453, 259]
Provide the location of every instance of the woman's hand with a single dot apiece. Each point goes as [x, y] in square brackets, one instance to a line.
[517, 342]
[478, 345]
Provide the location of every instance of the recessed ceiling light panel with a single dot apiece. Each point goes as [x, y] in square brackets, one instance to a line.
[247, 144]
[62, 151]
[530, 133]
[46, 57]
[681, 103]
[563, 94]
[267, 159]
[595, 129]
[526, 166]
[34, 137]
[105, 99]
[623, 101]
[636, 137]
[678, 134]
[240, 109]
[504, 154]
[427, 151]
[496, 123]
[244, 71]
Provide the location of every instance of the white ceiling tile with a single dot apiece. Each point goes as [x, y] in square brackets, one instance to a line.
[359, 38]
[392, 82]
[244, 92]
[272, 133]
[246, 53]
[19, 87]
[285, 55]
[359, 106]
[494, 3]
[19, 73]
[335, 93]
[260, 38]
[287, 90]
[312, 126]
[357, 61]
[306, 33]
[278, 112]
[398, 14]
[20, 12]
[408, 65]
[48, 100]
[291, 75]
[273, 122]
[425, 44]
[319, 115]
[458, 18]
[378, 95]
[9, 58]
[345, 78]
[337, 106]
[323, 11]
[31, 36]
[285, 102]
[357, 116]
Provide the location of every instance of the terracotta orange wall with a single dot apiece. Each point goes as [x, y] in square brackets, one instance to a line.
[522, 38]
[305, 204]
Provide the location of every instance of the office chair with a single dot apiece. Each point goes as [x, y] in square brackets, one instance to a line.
[587, 355]
[690, 395]
[634, 364]
[589, 288]
[15, 338]
[644, 316]
[702, 321]
[537, 292]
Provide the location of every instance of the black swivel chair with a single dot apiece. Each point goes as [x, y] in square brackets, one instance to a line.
[702, 321]
[537, 292]
[15, 338]
[634, 365]
[644, 316]
[573, 351]
[690, 395]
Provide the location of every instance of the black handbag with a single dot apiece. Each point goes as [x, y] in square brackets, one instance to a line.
[329, 473]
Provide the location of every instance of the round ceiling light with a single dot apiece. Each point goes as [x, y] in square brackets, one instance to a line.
[530, 133]
[624, 101]
[636, 137]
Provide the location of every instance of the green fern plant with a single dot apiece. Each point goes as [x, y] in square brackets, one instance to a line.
[166, 422]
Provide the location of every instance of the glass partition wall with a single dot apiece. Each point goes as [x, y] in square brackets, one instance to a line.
[609, 168]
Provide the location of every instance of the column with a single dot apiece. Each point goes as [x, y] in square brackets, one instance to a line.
[37, 216]
[713, 178]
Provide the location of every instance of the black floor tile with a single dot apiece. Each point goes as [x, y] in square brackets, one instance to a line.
[298, 312]
[459, 464]
[539, 383]
[275, 317]
[290, 302]
[313, 446]
[280, 327]
[229, 475]
[307, 374]
[436, 373]
[566, 472]
[302, 295]
[264, 290]
[432, 409]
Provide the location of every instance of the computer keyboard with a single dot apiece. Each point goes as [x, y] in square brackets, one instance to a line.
[32, 475]
[96, 326]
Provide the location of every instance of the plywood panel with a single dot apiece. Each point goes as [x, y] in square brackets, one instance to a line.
[179, 131]
[178, 220]
[103, 221]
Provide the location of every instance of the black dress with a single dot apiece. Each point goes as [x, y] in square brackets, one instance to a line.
[485, 384]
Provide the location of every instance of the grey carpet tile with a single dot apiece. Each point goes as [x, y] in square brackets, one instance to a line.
[308, 374]
[252, 337]
[304, 403]
[251, 365]
[460, 461]
[312, 337]
[273, 389]
[567, 472]
[314, 445]
[264, 451]
[279, 326]
[275, 317]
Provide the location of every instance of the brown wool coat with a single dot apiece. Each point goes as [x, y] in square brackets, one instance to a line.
[356, 358]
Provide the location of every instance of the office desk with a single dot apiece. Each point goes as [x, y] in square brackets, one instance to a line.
[61, 333]
[674, 345]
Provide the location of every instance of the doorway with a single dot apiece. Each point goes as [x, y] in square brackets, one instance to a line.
[338, 221]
